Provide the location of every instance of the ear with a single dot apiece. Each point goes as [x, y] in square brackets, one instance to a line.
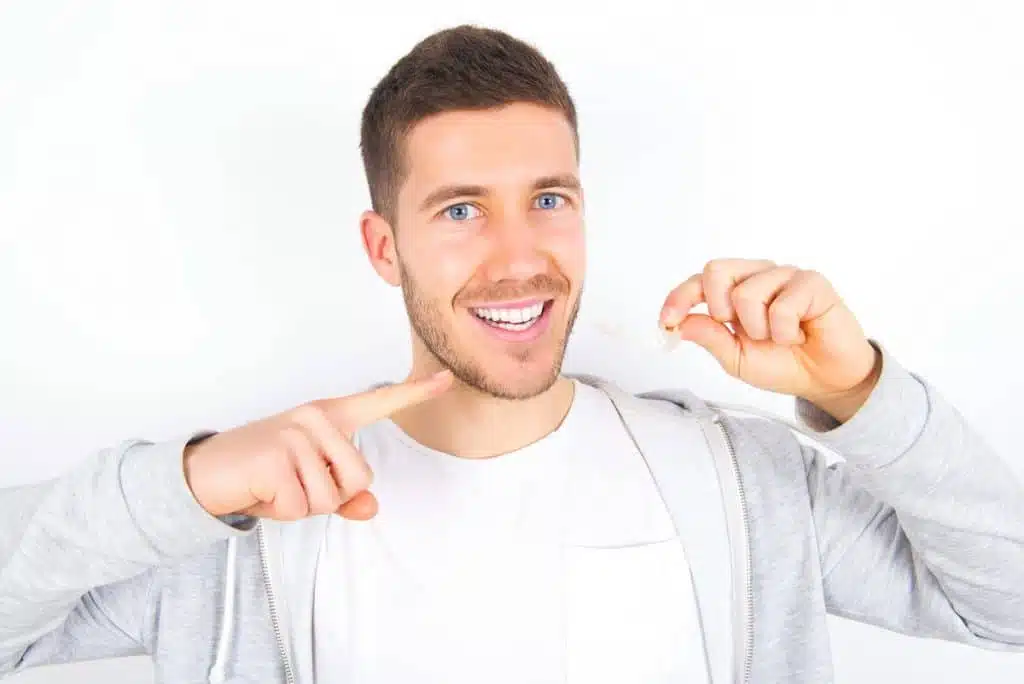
[379, 244]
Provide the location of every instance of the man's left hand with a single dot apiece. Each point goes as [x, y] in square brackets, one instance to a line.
[778, 328]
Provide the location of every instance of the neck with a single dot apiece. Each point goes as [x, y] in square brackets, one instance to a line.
[467, 423]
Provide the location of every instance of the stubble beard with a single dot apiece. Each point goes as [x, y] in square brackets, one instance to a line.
[427, 321]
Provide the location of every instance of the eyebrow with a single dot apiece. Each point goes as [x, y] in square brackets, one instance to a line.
[450, 192]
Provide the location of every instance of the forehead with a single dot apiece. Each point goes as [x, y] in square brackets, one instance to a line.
[510, 146]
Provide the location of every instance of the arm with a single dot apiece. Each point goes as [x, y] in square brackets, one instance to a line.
[921, 528]
[77, 553]
[74, 551]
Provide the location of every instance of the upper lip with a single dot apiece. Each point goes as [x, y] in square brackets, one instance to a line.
[518, 304]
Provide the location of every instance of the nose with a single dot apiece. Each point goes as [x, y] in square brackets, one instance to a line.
[516, 249]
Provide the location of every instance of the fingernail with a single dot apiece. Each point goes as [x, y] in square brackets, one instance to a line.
[670, 317]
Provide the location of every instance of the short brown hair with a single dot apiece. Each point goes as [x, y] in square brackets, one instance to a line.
[461, 68]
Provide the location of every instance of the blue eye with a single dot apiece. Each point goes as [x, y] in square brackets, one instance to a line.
[550, 200]
[460, 212]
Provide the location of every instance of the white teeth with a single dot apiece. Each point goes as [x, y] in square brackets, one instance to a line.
[512, 319]
[511, 315]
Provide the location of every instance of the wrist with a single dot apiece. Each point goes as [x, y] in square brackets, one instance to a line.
[843, 405]
[194, 477]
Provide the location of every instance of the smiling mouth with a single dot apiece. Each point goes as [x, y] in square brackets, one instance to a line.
[513, 319]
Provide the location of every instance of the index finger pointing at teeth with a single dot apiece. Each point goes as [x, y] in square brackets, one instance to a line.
[358, 410]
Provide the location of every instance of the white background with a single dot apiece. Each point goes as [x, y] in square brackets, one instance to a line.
[180, 184]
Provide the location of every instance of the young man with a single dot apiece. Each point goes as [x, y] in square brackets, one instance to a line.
[491, 520]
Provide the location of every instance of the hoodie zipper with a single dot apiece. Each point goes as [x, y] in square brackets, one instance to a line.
[289, 673]
[743, 676]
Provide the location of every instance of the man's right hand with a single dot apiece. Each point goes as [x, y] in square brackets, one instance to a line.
[301, 462]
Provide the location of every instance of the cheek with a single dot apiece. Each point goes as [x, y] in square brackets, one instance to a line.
[568, 248]
[446, 266]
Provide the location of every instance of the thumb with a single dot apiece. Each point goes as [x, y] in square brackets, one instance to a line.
[715, 337]
[362, 506]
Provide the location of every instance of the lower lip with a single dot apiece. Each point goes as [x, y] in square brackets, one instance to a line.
[529, 335]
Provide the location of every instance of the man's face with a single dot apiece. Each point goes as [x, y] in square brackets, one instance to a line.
[490, 245]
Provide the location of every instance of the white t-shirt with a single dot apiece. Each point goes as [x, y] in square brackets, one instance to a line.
[554, 563]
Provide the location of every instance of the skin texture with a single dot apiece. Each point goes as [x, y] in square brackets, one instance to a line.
[508, 226]
[300, 462]
[517, 234]
[778, 328]
[505, 242]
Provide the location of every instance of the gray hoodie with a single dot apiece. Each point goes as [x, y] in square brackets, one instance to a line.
[919, 528]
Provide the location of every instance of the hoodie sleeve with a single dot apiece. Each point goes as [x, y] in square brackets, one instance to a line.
[78, 553]
[921, 525]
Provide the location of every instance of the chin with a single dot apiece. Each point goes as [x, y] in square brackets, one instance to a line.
[518, 390]
[513, 364]
[515, 383]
